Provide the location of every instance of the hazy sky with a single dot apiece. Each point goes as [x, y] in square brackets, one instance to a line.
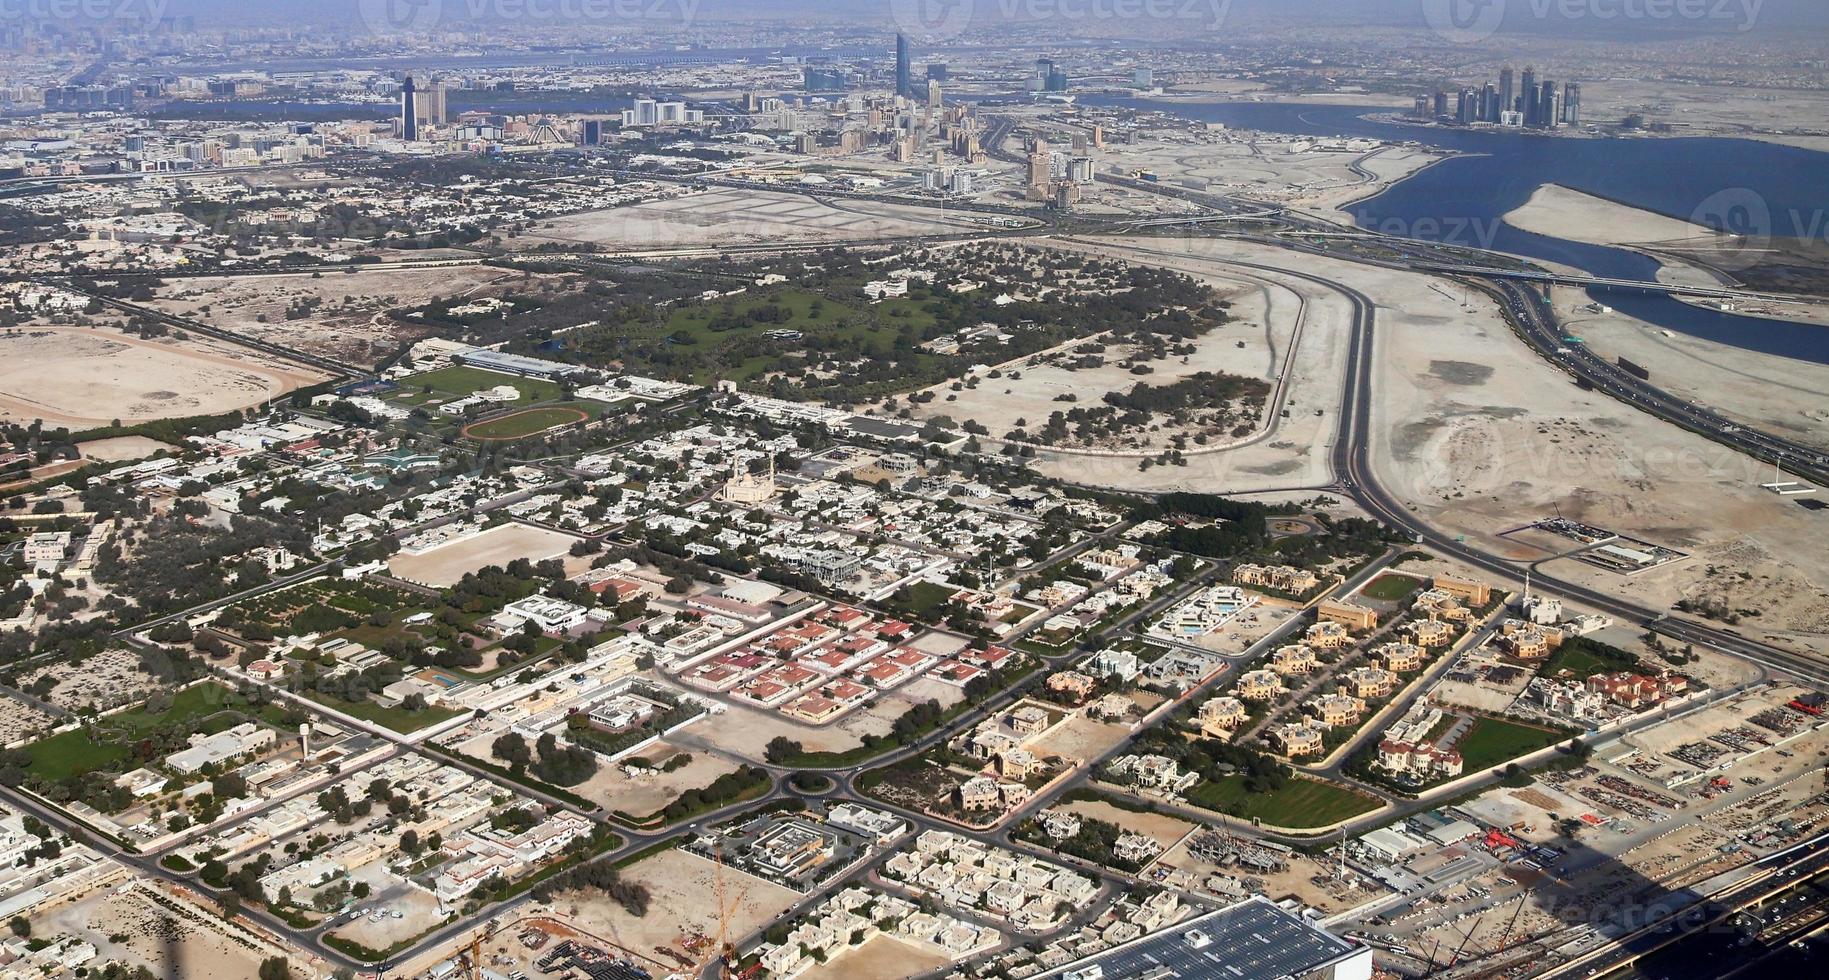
[1575, 17]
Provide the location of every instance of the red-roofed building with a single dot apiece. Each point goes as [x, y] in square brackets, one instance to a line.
[955, 673]
[990, 658]
[894, 630]
[847, 618]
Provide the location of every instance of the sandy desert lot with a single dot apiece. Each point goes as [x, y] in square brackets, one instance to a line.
[1778, 394]
[1246, 347]
[881, 956]
[83, 378]
[680, 887]
[727, 217]
[1295, 453]
[1481, 435]
[446, 565]
[647, 793]
[349, 315]
[1291, 170]
[1081, 738]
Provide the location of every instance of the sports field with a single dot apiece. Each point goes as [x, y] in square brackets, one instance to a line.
[520, 425]
[461, 381]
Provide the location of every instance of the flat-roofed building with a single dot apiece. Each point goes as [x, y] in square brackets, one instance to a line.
[1353, 617]
[1251, 940]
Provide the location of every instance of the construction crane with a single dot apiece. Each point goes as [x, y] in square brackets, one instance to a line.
[1505, 936]
[722, 950]
[482, 936]
[1456, 958]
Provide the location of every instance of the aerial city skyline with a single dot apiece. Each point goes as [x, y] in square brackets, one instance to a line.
[796, 490]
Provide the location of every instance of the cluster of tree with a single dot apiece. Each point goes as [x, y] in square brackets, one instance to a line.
[728, 788]
[1214, 759]
[1096, 841]
[599, 877]
[560, 765]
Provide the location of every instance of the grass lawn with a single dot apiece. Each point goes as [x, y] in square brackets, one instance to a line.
[1393, 587]
[461, 381]
[1584, 658]
[926, 598]
[692, 323]
[526, 423]
[1493, 741]
[75, 752]
[397, 718]
[1299, 805]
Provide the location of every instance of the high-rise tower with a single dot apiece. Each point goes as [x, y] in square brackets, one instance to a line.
[409, 110]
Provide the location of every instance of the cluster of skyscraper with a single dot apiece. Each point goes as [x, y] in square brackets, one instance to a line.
[1536, 105]
[1048, 77]
[420, 108]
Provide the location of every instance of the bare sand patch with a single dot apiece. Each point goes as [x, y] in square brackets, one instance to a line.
[348, 310]
[1244, 347]
[1779, 394]
[651, 791]
[445, 565]
[681, 906]
[120, 449]
[1526, 443]
[744, 731]
[1561, 212]
[82, 377]
[728, 217]
[1081, 738]
[881, 956]
[1294, 454]
[175, 940]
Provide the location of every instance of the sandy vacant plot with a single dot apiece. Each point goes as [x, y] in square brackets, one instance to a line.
[444, 566]
[641, 795]
[882, 956]
[120, 449]
[1081, 738]
[724, 217]
[84, 378]
[1246, 347]
[1481, 436]
[1295, 453]
[681, 906]
[1779, 394]
[348, 309]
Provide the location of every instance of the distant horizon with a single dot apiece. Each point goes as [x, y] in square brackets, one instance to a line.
[1583, 19]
